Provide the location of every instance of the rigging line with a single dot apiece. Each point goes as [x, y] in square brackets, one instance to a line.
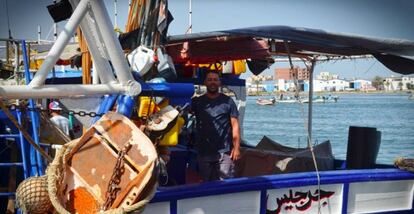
[50, 31]
[8, 19]
[313, 61]
[372, 65]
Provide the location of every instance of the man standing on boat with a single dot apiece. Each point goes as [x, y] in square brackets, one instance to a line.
[60, 121]
[218, 132]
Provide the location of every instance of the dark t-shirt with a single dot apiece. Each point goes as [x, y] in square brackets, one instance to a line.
[214, 131]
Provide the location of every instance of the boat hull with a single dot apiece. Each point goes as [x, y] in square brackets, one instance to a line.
[342, 191]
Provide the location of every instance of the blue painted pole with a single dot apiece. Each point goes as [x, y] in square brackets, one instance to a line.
[22, 147]
[106, 104]
[125, 105]
[34, 116]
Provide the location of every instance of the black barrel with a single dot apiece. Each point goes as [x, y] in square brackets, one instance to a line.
[363, 147]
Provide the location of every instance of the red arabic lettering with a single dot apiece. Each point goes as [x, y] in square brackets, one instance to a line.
[301, 200]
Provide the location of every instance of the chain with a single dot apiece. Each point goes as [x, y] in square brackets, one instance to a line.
[38, 109]
[119, 169]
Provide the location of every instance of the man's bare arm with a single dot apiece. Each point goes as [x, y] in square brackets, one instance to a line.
[235, 152]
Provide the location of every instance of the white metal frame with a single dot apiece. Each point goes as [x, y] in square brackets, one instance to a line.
[92, 17]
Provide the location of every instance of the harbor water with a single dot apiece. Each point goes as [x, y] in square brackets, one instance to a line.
[392, 114]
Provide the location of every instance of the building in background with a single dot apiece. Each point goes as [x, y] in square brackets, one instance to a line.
[399, 83]
[327, 85]
[326, 76]
[361, 85]
[288, 74]
[284, 80]
[260, 83]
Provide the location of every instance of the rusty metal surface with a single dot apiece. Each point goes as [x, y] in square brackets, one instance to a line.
[93, 160]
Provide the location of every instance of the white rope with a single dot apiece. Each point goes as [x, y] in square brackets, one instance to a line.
[309, 143]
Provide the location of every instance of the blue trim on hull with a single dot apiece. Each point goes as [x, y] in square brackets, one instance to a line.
[279, 181]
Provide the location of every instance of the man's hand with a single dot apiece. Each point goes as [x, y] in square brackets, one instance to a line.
[235, 154]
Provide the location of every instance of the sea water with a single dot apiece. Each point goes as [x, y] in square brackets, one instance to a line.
[392, 114]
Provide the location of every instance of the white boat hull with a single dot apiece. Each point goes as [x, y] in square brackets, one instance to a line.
[345, 191]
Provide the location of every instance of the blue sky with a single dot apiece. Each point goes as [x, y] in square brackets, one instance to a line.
[379, 18]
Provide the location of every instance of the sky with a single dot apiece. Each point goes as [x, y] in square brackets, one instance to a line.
[377, 18]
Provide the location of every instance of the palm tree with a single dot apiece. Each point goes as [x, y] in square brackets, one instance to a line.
[257, 82]
[387, 85]
[400, 85]
[378, 82]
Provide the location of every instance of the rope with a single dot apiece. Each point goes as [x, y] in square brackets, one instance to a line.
[24, 132]
[309, 141]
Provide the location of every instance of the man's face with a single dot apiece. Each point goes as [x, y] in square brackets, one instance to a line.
[212, 82]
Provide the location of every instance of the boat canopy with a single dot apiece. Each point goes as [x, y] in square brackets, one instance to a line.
[395, 54]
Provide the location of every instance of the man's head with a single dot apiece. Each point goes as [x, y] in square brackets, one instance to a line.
[54, 106]
[212, 82]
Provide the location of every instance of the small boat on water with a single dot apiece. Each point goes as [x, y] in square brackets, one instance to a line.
[287, 99]
[322, 99]
[265, 102]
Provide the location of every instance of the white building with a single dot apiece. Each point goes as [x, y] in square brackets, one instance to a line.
[327, 76]
[285, 85]
[361, 84]
[398, 83]
[327, 85]
[336, 85]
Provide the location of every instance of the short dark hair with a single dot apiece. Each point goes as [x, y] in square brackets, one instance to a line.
[208, 72]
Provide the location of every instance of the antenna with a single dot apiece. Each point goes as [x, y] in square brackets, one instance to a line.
[54, 27]
[190, 13]
[115, 14]
[39, 33]
[8, 20]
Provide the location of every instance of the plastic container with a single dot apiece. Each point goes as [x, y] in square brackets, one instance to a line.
[239, 67]
[171, 137]
[227, 67]
[141, 60]
[144, 106]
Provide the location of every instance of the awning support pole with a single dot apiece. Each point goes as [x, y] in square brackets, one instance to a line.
[310, 69]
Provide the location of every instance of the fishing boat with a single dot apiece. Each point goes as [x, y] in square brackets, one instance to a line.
[330, 99]
[287, 100]
[265, 102]
[322, 99]
[317, 99]
[345, 188]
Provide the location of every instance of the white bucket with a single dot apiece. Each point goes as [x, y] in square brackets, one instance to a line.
[227, 67]
[141, 60]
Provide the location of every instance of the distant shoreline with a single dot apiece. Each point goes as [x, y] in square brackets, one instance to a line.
[329, 92]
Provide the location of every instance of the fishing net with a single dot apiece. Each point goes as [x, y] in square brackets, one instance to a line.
[405, 164]
[32, 196]
[55, 176]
